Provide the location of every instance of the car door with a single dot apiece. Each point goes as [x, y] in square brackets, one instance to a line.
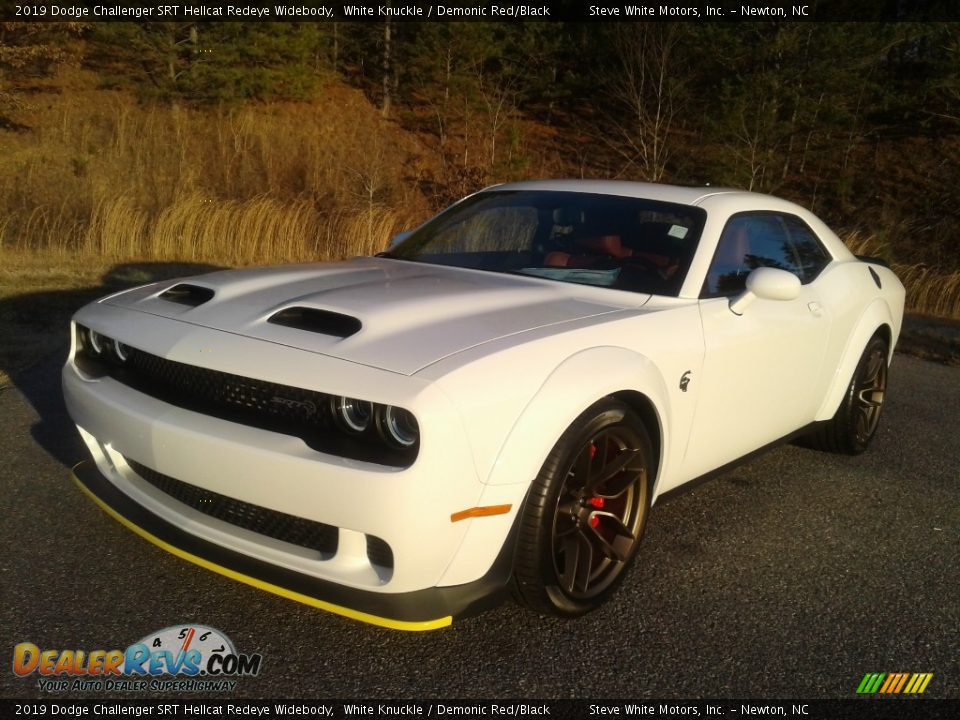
[762, 367]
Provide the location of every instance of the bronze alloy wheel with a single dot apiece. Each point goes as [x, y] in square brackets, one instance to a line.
[855, 423]
[586, 512]
[599, 513]
[871, 388]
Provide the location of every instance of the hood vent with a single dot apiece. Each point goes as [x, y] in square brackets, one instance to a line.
[318, 321]
[186, 294]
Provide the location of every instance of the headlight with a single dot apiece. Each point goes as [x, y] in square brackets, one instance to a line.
[97, 346]
[98, 342]
[354, 415]
[121, 351]
[399, 427]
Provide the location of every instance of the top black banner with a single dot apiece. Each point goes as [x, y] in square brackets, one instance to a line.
[481, 10]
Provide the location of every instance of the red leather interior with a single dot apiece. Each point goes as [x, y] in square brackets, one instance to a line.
[605, 245]
[557, 259]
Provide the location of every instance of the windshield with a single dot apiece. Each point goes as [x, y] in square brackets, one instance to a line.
[606, 240]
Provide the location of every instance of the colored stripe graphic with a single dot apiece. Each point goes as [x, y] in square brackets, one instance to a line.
[918, 683]
[894, 683]
[870, 683]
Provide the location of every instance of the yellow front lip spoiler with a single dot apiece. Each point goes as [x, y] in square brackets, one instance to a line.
[411, 626]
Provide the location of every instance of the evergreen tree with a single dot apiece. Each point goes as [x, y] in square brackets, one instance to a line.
[30, 49]
[213, 62]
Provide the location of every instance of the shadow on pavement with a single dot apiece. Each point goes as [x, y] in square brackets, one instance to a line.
[50, 312]
[931, 338]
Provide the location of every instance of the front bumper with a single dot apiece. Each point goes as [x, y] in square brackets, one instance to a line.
[438, 567]
[428, 609]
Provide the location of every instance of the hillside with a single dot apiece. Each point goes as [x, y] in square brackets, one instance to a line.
[248, 144]
[95, 171]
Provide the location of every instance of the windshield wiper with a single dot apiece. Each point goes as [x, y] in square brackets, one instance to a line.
[393, 256]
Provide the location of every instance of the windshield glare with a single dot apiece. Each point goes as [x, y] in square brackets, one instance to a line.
[605, 240]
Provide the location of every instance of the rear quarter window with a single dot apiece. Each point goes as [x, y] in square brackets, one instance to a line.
[812, 256]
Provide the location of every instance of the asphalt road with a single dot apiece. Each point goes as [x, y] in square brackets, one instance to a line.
[790, 577]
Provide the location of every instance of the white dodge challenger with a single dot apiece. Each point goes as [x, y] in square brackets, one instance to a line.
[491, 406]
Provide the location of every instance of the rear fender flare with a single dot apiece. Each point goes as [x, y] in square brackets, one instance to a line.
[876, 316]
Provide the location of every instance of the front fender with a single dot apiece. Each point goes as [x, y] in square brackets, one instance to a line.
[572, 387]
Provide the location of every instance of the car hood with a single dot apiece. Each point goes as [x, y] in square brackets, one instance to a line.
[390, 314]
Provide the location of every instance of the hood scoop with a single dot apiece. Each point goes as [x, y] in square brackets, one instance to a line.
[313, 320]
[186, 294]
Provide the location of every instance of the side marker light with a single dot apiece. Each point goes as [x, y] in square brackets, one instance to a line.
[475, 512]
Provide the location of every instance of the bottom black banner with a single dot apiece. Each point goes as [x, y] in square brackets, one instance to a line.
[892, 709]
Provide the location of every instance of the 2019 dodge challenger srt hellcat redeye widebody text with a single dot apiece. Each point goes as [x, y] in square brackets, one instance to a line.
[492, 405]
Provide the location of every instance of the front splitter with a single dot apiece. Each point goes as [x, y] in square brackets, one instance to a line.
[428, 609]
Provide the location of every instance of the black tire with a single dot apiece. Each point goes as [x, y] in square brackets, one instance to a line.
[855, 423]
[584, 518]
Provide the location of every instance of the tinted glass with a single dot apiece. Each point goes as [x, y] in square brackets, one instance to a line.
[811, 254]
[763, 240]
[605, 240]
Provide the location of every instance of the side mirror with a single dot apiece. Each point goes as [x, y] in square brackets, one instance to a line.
[767, 284]
[399, 238]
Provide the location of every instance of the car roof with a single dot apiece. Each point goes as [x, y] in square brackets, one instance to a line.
[652, 191]
[721, 200]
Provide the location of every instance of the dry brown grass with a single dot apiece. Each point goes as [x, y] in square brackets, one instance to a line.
[260, 230]
[102, 176]
[929, 291]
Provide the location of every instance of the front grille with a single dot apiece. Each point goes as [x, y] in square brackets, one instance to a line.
[184, 384]
[306, 414]
[280, 526]
[277, 525]
[378, 552]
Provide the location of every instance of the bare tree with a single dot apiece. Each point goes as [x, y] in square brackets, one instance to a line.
[647, 84]
[499, 102]
[948, 86]
[753, 146]
[387, 66]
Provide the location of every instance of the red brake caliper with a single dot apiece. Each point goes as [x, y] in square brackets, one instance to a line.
[596, 502]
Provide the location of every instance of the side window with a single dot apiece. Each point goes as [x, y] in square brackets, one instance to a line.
[748, 242]
[811, 254]
[770, 245]
[763, 240]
